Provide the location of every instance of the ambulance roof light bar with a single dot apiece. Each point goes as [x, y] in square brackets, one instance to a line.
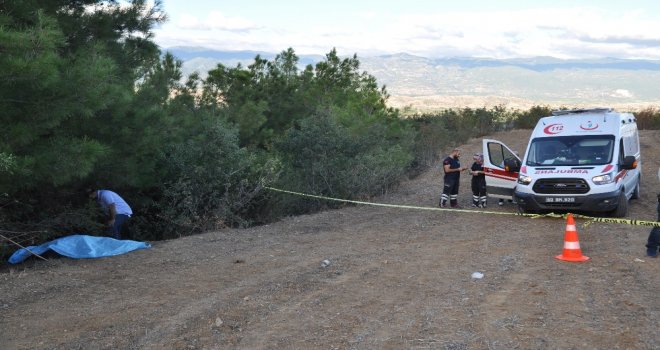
[579, 111]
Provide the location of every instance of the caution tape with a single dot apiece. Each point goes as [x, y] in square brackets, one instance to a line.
[590, 219]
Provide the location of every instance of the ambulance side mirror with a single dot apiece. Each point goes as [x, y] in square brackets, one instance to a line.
[629, 162]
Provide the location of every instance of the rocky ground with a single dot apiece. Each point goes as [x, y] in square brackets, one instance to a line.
[396, 279]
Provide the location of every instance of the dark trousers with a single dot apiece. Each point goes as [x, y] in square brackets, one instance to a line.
[653, 243]
[450, 192]
[116, 229]
[479, 191]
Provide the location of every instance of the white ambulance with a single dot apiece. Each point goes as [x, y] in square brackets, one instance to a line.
[583, 160]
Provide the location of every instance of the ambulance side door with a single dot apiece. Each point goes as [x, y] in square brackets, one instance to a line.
[501, 179]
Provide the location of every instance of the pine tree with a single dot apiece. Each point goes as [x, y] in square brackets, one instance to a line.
[69, 68]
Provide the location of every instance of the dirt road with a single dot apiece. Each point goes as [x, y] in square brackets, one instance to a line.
[397, 279]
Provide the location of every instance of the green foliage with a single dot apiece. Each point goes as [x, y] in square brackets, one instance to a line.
[433, 136]
[435, 133]
[67, 93]
[65, 70]
[312, 153]
[323, 157]
[263, 100]
[250, 117]
[267, 98]
[142, 127]
[328, 123]
[213, 183]
[7, 164]
[59, 160]
[438, 133]
[528, 119]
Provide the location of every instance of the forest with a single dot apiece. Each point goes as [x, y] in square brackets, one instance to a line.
[88, 100]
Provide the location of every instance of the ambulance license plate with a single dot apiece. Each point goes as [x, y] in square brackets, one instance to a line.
[560, 199]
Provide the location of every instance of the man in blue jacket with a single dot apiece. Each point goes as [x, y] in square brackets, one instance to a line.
[115, 207]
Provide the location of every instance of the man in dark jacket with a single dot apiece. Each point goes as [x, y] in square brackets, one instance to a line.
[452, 168]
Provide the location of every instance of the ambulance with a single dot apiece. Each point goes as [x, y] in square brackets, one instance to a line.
[576, 160]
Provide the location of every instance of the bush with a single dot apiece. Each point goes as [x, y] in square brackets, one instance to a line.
[213, 183]
[435, 133]
[648, 119]
[323, 157]
[528, 119]
[25, 220]
[432, 137]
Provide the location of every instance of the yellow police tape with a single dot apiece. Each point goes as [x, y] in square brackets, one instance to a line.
[533, 216]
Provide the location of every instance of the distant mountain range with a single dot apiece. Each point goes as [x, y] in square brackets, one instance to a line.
[422, 83]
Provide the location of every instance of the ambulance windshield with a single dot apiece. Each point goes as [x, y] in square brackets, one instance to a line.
[571, 150]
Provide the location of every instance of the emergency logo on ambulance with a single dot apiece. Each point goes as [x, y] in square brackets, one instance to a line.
[589, 126]
[553, 129]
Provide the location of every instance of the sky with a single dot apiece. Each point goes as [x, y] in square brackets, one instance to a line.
[429, 28]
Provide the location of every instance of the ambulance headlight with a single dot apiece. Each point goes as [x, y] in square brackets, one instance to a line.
[524, 179]
[603, 179]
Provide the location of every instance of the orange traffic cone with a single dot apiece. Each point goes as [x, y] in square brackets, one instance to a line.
[572, 251]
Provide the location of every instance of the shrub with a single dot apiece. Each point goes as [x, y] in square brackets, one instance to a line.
[528, 119]
[432, 137]
[323, 157]
[213, 182]
[648, 118]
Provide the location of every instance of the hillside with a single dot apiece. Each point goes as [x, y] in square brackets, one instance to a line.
[397, 279]
[426, 84]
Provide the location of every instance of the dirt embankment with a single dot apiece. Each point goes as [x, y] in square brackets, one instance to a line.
[397, 279]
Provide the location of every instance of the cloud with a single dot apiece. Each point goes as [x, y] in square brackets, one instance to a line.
[215, 21]
[635, 41]
[557, 32]
[623, 93]
[564, 33]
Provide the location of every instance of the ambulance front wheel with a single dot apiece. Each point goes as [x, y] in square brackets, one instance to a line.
[622, 206]
[524, 209]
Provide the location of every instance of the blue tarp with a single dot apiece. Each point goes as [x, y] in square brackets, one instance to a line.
[81, 247]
